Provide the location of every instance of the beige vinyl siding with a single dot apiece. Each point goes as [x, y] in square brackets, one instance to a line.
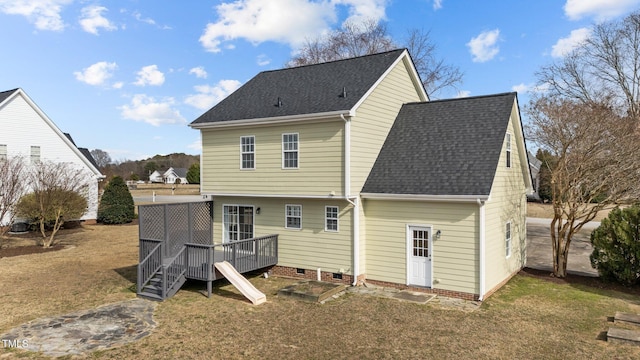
[309, 248]
[320, 160]
[454, 256]
[507, 203]
[374, 119]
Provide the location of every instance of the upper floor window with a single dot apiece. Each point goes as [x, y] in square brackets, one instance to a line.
[35, 154]
[3, 152]
[290, 151]
[293, 215]
[248, 152]
[331, 218]
[508, 146]
[507, 241]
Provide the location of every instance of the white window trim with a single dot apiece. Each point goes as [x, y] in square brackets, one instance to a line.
[243, 152]
[297, 151]
[337, 218]
[508, 154]
[3, 152]
[225, 237]
[508, 239]
[286, 216]
[39, 155]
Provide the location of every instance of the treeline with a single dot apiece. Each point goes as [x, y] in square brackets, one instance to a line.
[141, 169]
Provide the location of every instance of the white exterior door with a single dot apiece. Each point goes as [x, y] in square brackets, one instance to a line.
[419, 253]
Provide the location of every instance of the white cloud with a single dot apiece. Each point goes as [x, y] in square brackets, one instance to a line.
[139, 17]
[118, 85]
[91, 19]
[565, 45]
[199, 72]
[437, 4]
[149, 75]
[263, 60]
[45, 14]
[96, 74]
[484, 47]
[146, 109]
[463, 93]
[208, 96]
[286, 21]
[196, 145]
[521, 88]
[600, 9]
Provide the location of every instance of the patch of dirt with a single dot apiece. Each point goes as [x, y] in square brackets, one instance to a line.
[573, 279]
[28, 250]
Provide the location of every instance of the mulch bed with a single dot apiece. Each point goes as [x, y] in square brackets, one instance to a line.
[27, 250]
[572, 279]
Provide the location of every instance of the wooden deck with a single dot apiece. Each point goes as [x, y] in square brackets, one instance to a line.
[176, 243]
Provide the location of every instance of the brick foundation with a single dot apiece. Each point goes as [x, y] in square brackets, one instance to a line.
[311, 274]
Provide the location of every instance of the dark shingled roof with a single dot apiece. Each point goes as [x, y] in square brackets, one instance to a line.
[303, 90]
[6, 94]
[446, 147]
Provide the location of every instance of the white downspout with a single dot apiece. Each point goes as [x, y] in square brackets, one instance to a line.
[482, 240]
[355, 201]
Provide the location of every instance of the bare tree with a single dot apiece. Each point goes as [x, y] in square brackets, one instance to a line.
[59, 192]
[370, 37]
[101, 157]
[12, 187]
[595, 151]
[606, 65]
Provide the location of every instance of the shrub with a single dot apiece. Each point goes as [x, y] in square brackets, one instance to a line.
[116, 205]
[193, 175]
[616, 246]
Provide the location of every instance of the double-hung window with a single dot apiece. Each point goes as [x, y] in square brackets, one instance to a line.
[507, 241]
[508, 148]
[290, 151]
[3, 152]
[35, 154]
[331, 218]
[248, 152]
[293, 214]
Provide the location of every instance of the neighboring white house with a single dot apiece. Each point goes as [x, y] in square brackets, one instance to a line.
[27, 131]
[175, 175]
[156, 177]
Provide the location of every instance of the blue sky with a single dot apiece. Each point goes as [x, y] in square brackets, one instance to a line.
[128, 76]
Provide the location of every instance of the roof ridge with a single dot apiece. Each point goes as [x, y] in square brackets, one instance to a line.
[335, 61]
[463, 98]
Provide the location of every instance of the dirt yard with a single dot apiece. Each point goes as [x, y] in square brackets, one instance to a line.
[530, 318]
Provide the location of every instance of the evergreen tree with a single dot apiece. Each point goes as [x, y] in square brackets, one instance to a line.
[193, 175]
[116, 205]
[616, 246]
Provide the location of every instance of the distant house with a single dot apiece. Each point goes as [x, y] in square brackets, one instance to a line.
[363, 178]
[175, 176]
[27, 131]
[534, 166]
[156, 177]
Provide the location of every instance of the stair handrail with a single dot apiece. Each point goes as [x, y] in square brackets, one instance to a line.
[169, 279]
[145, 276]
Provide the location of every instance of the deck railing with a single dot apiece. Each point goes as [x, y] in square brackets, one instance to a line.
[151, 261]
[174, 272]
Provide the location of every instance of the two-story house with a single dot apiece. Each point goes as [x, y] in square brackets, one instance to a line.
[28, 132]
[364, 179]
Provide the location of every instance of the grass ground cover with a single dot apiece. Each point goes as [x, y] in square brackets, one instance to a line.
[532, 317]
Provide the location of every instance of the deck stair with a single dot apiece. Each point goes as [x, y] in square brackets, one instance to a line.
[629, 333]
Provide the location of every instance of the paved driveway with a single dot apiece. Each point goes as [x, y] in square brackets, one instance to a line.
[539, 251]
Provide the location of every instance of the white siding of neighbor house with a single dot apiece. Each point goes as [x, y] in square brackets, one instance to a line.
[507, 203]
[454, 255]
[22, 127]
[308, 248]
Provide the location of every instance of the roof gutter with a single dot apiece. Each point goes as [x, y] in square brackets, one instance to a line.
[423, 197]
[324, 116]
